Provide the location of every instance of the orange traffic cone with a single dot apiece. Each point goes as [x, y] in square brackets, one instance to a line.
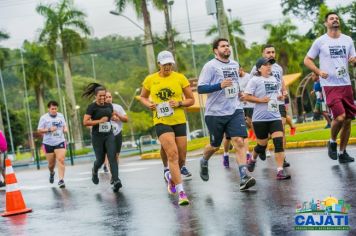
[14, 202]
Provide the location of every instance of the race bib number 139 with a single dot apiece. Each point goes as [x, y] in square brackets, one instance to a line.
[164, 109]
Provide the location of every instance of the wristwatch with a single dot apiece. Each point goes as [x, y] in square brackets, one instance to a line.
[180, 104]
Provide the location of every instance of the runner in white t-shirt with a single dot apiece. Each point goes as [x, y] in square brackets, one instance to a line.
[335, 51]
[53, 126]
[269, 52]
[263, 89]
[248, 111]
[117, 121]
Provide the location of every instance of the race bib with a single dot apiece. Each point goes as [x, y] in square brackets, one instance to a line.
[164, 109]
[273, 106]
[341, 72]
[104, 127]
[232, 91]
[57, 133]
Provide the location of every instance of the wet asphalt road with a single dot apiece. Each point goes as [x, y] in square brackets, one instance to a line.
[143, 206]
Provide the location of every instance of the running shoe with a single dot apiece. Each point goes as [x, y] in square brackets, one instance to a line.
[204, 171]
[117, 185]
[268, 153]
[251, 164]
[171, 187]
[332, 150]
[282, 174]
[61, 184]
[94, 177]
[286, 163]
[226, 161]
[293, 130]
[345, 158]
[183, 199]
[105, 168]
[2, 184]
[51, 177]
[247, 182]
[185, 172]
[328, 126]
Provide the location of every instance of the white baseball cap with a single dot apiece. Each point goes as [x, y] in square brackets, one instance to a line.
[165, 57]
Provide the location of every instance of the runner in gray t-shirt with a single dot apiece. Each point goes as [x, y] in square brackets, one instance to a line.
[335, 51]
[263, 89]
[248, 111]
[53, 126]
[223, 114]
[269, 52]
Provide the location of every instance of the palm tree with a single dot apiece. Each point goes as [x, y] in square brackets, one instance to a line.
[39, 70]
[142, 11]
[164, 5]
[282, 37]
[64, 24]
[234, 27]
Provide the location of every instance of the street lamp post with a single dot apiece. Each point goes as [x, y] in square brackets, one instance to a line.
[201, 109]
[93, 64]
[58, 86]
[232, 33]
[7, 114]
[148, 39]
[26, 99]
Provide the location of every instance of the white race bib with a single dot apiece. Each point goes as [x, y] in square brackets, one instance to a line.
[57, 133]
[164, 109]
[341, 72]
[273, 106]
[232, 91]
[104, 127]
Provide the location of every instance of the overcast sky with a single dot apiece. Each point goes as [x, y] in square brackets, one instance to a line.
[20, 20]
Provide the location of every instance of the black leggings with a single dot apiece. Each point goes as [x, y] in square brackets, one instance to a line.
[105, 145]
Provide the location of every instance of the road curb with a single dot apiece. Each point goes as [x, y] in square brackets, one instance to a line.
[289, 145]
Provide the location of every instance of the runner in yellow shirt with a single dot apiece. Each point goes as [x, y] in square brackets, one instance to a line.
[166, 89]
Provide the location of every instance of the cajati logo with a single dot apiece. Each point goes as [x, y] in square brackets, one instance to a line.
[328, 214]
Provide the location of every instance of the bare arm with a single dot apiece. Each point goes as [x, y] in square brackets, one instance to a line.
[251, 98]
[87, 121]
[187, 102]
[309, 62]
[145, 99]
[117, 117]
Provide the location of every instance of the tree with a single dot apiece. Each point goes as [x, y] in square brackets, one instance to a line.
[302, 8]
[65, 24]
[3, 52]
[282, 37]
[39, 71]
[142, 11]
[234, 27]
[164, 5]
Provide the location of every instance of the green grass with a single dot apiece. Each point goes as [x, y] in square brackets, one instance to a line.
[28, 155]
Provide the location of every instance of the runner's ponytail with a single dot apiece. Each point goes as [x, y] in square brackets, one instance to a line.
[92, 89]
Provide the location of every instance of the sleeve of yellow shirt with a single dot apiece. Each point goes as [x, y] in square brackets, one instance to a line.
[147, 83]
[184, 82]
